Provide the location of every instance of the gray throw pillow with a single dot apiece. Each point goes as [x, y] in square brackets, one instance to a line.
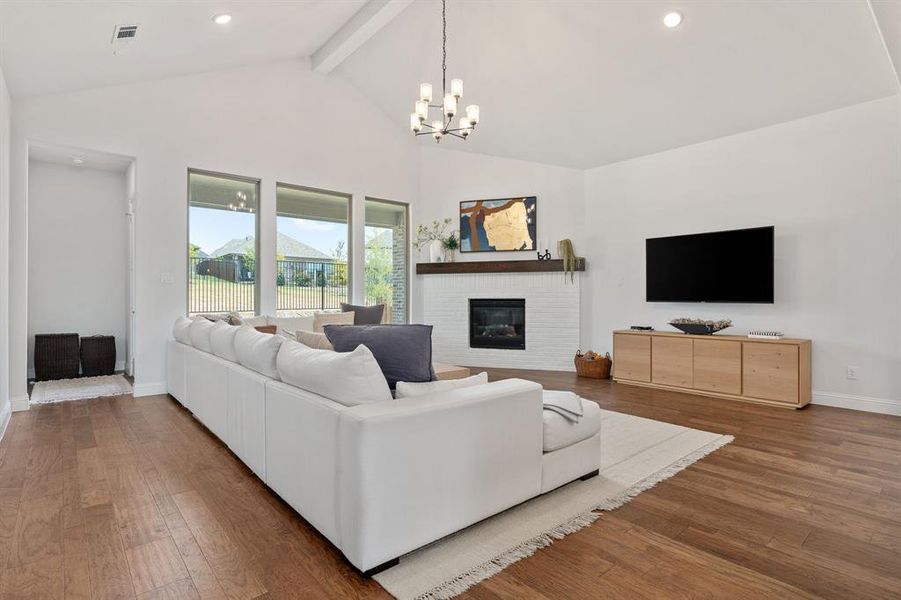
[404, 352]
[365, 315]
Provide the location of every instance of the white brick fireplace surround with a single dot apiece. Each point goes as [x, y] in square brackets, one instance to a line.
[552, 318]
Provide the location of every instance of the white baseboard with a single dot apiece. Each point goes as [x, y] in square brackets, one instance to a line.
[19, 403]
[5, 414]
[152, 388]
[884, 406]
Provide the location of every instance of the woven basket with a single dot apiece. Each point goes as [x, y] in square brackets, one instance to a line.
[98, 355]
[55, 356]
[597, 368]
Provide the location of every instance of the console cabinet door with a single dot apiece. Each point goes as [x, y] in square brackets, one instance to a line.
[717, 366]
[632, 357]
[671, 361]
[770, 371]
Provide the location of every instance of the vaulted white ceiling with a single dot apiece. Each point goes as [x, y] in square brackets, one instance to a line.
[586, 83]
[578, 83]
[49, 47]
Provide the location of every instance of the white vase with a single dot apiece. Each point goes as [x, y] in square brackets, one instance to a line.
[436, 251]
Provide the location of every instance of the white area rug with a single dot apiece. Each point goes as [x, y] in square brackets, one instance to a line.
[60, 390]
[636, 454]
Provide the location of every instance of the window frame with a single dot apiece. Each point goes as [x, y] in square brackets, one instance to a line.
[408, 276]
[350, 230]
[256, 181]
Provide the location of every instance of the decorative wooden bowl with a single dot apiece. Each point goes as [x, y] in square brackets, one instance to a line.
[699, 328]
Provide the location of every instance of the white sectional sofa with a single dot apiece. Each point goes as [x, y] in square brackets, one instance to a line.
[379, 478]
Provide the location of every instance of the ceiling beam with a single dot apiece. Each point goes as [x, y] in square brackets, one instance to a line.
[374, 15]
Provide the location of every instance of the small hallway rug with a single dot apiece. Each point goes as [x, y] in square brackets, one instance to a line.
[60, 390]
[636, 454]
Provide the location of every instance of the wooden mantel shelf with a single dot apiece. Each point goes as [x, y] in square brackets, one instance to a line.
[496, 266]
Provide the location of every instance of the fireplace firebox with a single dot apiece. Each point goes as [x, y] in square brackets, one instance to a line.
[497, 323]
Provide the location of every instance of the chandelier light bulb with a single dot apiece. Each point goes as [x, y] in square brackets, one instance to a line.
[437, 129]
[422, 110]
[425, 92]
[472, 113]
[457, 88]
[465, 126]
[415, 123]
[450, 105]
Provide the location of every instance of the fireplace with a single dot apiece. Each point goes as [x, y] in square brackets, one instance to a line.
[497, 323]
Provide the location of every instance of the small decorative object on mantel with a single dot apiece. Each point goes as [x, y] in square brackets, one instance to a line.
[700, 326]
[546, 254]
[566, 252]
[450, 245]
[592, 364]
[433, 237]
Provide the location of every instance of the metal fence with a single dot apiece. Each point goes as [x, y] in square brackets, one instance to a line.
[227, 285]
[305, 285]
[220, 285]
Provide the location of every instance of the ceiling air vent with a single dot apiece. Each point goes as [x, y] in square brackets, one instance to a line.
[124, 33]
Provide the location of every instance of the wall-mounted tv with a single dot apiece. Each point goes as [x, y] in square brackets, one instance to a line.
[721, 266]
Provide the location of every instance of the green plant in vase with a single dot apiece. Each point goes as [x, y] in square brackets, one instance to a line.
[450, 244]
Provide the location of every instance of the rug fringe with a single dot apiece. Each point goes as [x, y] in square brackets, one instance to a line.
[461, 583]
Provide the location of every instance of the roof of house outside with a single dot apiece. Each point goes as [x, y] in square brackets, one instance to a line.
[285, 246]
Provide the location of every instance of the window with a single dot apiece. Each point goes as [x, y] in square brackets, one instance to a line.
[311, 249]
[386, 257]
[222, 243]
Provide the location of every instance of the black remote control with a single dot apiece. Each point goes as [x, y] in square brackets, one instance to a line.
[642, 328]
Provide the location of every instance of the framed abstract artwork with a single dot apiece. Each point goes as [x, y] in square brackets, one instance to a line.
[501, 225]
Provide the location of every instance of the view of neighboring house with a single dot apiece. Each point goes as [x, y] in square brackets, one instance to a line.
[234, 261]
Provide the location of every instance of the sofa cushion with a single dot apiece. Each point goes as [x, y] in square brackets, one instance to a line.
[406, 389]
[348, 378]
[365, 315]
[560, 432]
[319, 341]
[222, 340]
[404, 352]
[181, 330]
[320, 320]
[236, 319]
[257, 351]
[200, 334]
[290, 325]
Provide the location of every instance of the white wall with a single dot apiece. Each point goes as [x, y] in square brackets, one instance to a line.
[77, 253]
[5, 405]
[447, 177]
[830, 185]
[278, 122]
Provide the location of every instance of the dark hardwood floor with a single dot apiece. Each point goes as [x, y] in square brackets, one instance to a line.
[124, 498]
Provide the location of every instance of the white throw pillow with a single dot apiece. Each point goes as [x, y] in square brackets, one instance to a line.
[200, 334]
[348, 378]
[320, 319]
[319, 341]
[181, 331]
[405, 389]
[257, 350]
[222, 340]
[291, 324]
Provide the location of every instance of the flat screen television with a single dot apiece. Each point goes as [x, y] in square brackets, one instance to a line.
[721, 266]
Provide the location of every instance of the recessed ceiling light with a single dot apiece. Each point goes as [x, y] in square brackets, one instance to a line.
[222, 19]
[673, 19]
[77, 161]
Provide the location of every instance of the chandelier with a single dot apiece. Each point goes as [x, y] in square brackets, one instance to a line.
[438, 128]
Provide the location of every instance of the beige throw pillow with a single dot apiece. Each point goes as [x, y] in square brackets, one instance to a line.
[320, 319]
[319, 341]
